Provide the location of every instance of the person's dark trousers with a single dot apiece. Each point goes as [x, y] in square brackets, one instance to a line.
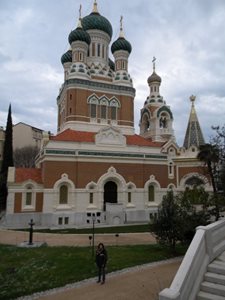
[101, 273]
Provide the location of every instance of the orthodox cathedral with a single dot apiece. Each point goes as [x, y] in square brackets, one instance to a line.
[96, 168]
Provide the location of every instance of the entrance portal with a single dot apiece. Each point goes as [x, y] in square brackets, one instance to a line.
[110, 193]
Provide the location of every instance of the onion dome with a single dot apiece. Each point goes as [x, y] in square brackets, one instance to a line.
[79, 34]
[154, 77]
[121, 44]
[96, 21]
[66, 57]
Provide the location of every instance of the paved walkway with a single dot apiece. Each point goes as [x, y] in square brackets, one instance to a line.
[142, 282]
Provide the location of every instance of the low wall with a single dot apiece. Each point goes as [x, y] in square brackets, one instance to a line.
[207, 244]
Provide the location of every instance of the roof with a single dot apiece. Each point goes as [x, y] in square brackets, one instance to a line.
[23, 174]
[70, 135]
[193, 136]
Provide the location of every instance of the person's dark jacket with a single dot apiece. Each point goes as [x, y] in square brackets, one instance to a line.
[101, 258]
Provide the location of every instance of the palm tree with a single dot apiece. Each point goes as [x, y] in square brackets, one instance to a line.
[209, 154]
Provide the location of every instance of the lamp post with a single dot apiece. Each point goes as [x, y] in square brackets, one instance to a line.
[93, 233]
[31, 232]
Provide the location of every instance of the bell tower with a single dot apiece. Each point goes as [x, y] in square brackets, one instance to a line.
[97, 92]
[156, 117]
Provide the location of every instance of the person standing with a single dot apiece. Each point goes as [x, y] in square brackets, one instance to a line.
[101, 260]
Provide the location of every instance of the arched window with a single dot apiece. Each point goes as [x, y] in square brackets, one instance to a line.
[91, 198]
[151, 193]
[93, 49]
[28, 199]
[194, 181]
[99, 50]
[103, 111]
[113, 113]
[93, 110]
[63, 194]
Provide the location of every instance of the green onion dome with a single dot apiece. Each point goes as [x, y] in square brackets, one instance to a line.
[96, 21]
[154, 78]
[121, 44]
[66, 57]
[79, 34]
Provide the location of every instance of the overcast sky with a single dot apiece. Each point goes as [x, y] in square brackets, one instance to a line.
[186, 36]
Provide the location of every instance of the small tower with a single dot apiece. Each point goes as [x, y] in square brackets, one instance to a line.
[156, 117]
[121, 50]
[193, 136]
[79, 40]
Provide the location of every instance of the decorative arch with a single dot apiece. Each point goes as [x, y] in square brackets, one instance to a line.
[64, 180]
[104, 101]
[152, 181]
[64, 188]
[93, 99]
[114, 102]
[145, 120]
[166, 110]
[188, 177]
[151, 187]
[171, 186]
[112, 175]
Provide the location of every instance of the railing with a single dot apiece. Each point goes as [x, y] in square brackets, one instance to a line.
[207, 244]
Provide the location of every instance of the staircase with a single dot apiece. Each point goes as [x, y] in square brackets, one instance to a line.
[213, 286]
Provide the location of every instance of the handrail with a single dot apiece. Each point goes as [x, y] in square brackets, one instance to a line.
[207, 244]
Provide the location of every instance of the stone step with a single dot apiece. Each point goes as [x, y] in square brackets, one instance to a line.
[215, 278]
[216, 268]
[213, 288]
[208, 296]
[221, 257]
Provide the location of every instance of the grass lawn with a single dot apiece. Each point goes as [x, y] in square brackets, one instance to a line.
[25, 271]
[111, 229]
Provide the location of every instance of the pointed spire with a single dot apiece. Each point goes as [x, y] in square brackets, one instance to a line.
[121, 28]
[193, 136]
[95, 7]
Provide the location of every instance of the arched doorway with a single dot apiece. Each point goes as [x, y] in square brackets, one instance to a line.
[110, 193]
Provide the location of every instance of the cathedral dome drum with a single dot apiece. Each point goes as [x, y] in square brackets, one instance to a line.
[96, 21]
[79, 34]
[121, 44]
[66, 57]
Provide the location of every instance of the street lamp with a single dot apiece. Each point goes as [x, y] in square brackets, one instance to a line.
[31, 232]
[93, 233]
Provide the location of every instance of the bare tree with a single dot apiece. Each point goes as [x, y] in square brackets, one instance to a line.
[25, 157]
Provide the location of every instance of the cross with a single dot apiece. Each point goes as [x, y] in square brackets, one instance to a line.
[121, 23]
[153, 61]
[80, 11]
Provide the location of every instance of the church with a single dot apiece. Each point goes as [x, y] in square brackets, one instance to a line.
[96, 168]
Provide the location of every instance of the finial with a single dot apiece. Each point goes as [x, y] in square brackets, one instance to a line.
[80, 11]
[192, 99]
[153, 61]
[79, 25]
[121, 27]
[95, 8]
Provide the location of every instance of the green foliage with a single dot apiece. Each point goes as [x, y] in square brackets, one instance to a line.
[168, 224]
[7, 161]
[25, 271]
[179, 215]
